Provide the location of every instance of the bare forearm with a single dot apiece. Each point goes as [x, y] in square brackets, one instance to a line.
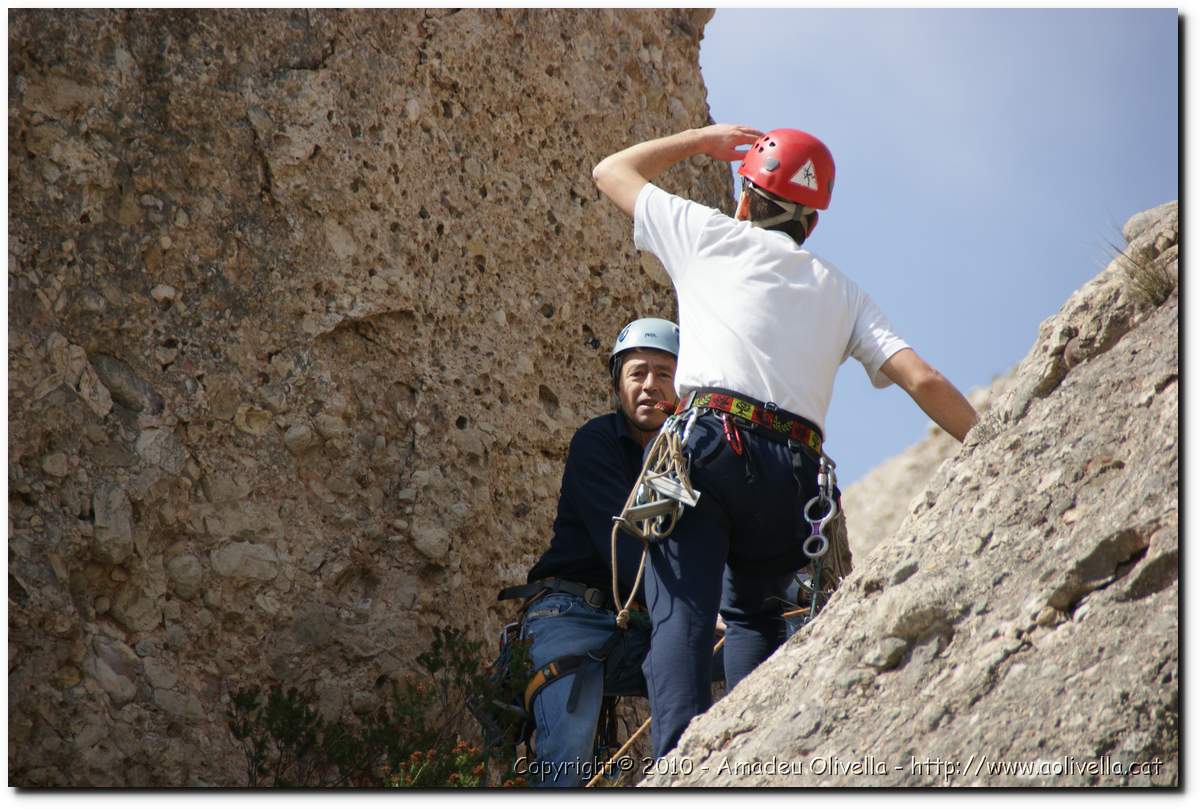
[943, 403]
[622, 175]
[932, 392]
[650, 158]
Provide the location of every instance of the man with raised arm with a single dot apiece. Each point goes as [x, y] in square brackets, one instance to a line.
[764, 325]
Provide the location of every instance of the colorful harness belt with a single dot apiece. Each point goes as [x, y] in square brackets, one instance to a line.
[777, 423]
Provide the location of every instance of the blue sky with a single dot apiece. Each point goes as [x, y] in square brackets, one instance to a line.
[985, 160]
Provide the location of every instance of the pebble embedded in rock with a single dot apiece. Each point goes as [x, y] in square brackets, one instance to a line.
[299, 438]
[432, 541]
[246, 560]
[113, 538]
[887, 654]
[252, 420]
[56, 464]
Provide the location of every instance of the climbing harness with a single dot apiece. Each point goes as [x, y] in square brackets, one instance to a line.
[778, 423]
[655, 504]
[505, 713]
[568, 664]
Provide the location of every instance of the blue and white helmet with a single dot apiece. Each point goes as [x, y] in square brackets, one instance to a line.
[647, 332]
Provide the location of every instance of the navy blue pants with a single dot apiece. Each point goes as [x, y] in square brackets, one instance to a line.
[722, 556]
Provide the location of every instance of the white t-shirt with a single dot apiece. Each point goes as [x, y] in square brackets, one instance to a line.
[759, 314]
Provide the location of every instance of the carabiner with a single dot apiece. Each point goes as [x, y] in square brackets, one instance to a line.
[687, 427]
[824, 519]
[732, 435]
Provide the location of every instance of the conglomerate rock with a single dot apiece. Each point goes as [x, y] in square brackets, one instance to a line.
[304, 308]
[1021, 625]
[877, 503]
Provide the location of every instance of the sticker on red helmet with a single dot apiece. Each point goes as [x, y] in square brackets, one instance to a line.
[806, 176]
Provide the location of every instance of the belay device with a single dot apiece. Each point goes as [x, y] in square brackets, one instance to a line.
[815, 547]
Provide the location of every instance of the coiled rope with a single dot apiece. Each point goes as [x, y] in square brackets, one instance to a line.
[664, 459]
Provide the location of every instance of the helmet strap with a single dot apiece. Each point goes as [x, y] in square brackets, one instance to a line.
[791, 211]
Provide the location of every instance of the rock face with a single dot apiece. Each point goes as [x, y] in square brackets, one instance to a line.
[877, 503]
[1020, 626]
[304, 308]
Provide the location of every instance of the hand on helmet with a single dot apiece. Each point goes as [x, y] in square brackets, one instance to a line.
[720, 141]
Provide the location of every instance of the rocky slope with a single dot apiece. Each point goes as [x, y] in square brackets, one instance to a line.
[877, 503]
[303, 310]
[1020, 627]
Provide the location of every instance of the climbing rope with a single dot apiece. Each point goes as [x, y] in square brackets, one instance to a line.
[647, 509]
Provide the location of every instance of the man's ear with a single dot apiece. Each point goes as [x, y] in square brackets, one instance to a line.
[743, 208]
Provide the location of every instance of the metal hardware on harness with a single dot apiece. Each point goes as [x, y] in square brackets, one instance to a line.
[731, 434]
[662, 491]
[498, 704]
[687, 429]
[510, 630]
[646, 511]
[816, 545]
[675, 490]
[826, 480]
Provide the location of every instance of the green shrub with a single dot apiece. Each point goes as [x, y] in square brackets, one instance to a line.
[415, 739]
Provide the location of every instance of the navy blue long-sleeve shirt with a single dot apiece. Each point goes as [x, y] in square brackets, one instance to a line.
[603, 463]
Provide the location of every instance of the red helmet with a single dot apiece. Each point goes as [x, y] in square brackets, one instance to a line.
[792, 165]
